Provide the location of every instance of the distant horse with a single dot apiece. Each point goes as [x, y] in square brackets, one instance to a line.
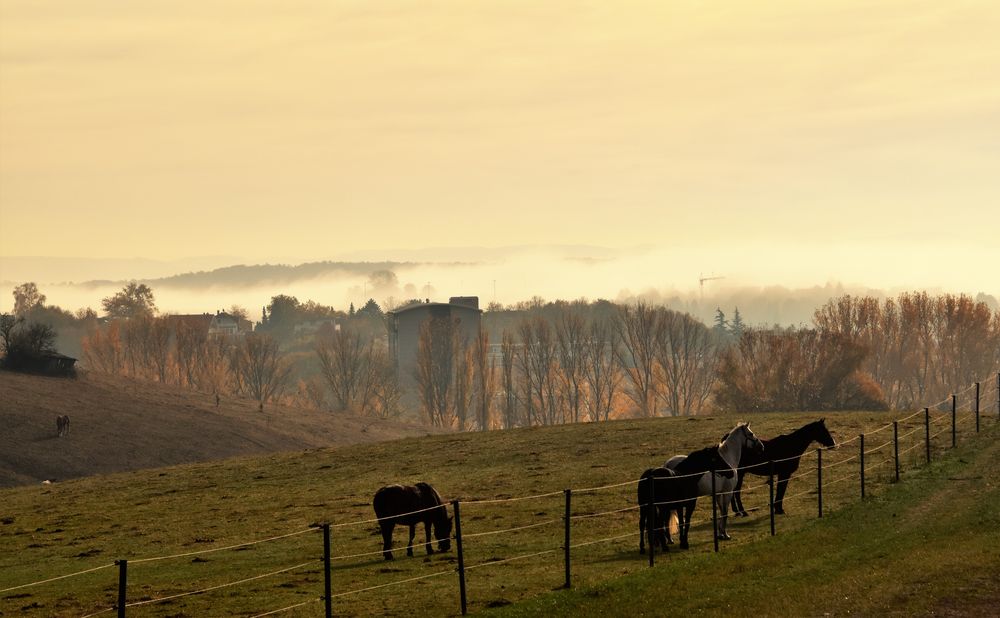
[409, 505]
[674, 492]
[785, 451]
[739, 440]
[62, 425]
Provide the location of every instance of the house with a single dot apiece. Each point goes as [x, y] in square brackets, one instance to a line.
[404, 328]
[223, 323]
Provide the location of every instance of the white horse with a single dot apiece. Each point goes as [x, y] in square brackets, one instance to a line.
[731, 449]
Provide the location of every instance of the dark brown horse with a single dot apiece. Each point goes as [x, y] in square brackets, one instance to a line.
[409, 505]
[785, 451]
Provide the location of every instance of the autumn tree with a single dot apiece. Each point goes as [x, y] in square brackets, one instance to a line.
[570, 338]
[508, 381]
[484, 380]
[600, 368]
[438, 344]
[134, 300]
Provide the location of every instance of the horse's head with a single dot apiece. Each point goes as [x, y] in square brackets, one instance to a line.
[442, 532]
[748, 441]
[822, 434]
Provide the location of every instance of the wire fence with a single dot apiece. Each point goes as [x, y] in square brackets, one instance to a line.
[939, 421]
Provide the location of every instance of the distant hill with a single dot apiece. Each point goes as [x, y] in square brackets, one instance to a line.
[120, 425]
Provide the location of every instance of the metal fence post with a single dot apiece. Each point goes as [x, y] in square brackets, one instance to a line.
[819, 481]
[861, 450]
[327, 584]
[770, 492]
[895, 446]
[927, 432]
[954, 401]
[568, 498]
[461, 558]
[715, 516]
[122, 582]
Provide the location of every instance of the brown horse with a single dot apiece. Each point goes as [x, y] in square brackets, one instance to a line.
[410, 505]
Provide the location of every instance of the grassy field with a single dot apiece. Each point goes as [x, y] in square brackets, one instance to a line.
[47, 531]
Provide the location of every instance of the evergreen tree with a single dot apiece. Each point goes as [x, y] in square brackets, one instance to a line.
[736, 327]
[721, 323]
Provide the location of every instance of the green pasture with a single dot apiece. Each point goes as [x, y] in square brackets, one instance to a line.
[52, 530]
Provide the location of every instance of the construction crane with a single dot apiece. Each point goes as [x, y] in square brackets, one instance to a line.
[701, 283]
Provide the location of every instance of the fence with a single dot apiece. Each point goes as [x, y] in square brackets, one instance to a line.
[880, 454]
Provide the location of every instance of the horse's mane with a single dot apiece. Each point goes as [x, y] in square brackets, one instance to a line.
[430, 491]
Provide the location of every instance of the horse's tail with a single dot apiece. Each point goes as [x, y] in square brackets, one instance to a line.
[674, 526]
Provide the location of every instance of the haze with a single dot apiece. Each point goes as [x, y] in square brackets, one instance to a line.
[774, 143]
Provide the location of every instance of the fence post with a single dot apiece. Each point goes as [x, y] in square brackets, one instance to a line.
[122, 582]
[927, 432]
[327, 585]
[861, 450]
[998, 394]
[770, 492]
[895, 446]
[953, 404]
[651, 519]
[568, 498]
[819, 481]
[715, 517]
[461, 558]
[977, 407]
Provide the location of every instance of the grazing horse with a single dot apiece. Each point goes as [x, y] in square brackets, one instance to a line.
[409, 505]
[62, 425]
[739, 440]
[784, 451]
[674, 492]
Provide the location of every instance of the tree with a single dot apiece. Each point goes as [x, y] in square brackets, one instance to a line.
[736, 327]
[437, 347]
[686, 355]
[27, 298]
[721, 328]
[570, 337]
[261, 367]
[639, 328]
[601, 369]
[134, 300]
[26, 344]
[358, 372]
[508, 353]
[484, 379]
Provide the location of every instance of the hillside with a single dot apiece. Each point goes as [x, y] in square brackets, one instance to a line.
[119, 425]
[512, 548]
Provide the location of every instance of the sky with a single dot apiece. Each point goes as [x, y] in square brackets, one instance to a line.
[780, 142]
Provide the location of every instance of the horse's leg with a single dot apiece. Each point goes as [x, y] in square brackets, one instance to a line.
[685, 523]
[723, 505]
[413, 533]
[737, 501]
[386, 529]
[779, 508]
[642, 528]
[664, 529]
[427, 535]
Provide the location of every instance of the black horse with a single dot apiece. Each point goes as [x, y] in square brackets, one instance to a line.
[674, 491]
[785, 451]
[410, 505]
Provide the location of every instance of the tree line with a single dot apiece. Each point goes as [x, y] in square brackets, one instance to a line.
[539, 363]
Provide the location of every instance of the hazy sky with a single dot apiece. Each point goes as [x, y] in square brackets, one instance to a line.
[821, 139]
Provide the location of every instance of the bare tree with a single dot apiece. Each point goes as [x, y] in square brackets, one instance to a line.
[686, 354]
[600, 369]
[508, 378]
[26, 298]
[538, 363]
[484, 379]
[570, 338]
[261, 367]
[346, 364]
[435, 369]
[639, 328]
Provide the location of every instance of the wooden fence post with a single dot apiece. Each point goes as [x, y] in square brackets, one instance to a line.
[327, 584]
[927, 432]
[819, 481]
[954, 440]
[122, 583]
[977, 407]
[895, 446]
[568, 498]
[461, 558]
[770, 492]
[715, 520]
[862, 453]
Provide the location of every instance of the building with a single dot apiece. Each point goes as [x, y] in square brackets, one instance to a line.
[404, 329]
